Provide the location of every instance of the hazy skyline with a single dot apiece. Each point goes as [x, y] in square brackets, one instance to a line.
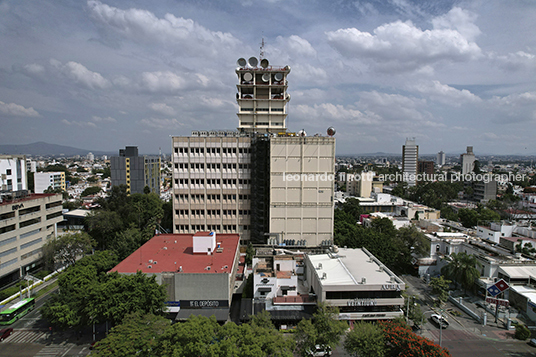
[105, 74]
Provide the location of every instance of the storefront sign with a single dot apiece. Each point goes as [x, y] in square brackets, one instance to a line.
[203, 304]
[16, 207]
[362, 302]
[391, 287]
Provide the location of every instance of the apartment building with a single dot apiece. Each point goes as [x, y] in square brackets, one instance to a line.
[135, 171]
[45, 180]
[13, 173]
[410, 157]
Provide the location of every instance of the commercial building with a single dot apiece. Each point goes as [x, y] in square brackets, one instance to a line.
[467, 161]
[198, 271]
[45, 180]
[410, 156]
[426, 167]
[135, 171]
[480, 191]
[357, 283]
[27, 221]
[262, 182]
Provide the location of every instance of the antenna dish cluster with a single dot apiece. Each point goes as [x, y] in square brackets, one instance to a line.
[252, 62]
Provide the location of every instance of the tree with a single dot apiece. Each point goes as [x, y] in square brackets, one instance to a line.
[410, 242]
[440, 287]
[103, 225]
[92, 190]
[325, 329]
[401, 341]
[522, 332]
[146, 190]
[136, 336]
[68, 247]
[366, 339]
[126, 242]
[462, 269]
[448, 213]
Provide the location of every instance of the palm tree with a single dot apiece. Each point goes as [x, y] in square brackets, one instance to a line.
[462, 269]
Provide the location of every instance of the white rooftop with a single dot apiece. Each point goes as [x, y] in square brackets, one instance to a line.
[349, 266]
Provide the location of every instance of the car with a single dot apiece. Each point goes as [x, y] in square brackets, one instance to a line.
[5, 333]
[532, 342]
[320, 351]
[439, 320]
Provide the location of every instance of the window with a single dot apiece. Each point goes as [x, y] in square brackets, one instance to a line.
[8, 171]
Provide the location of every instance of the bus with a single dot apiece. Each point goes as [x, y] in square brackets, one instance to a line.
[18, 310]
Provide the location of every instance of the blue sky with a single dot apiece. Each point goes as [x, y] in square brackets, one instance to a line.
[104, 74]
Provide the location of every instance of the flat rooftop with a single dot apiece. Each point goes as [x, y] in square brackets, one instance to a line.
[349, 266]
[29, 197]
[173, 252]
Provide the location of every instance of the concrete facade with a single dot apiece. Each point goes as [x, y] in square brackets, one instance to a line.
[26, 223]
[410, 157]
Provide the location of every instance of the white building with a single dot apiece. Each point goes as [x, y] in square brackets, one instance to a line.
[44, 180]
[495, 231]
[13, 173]
[467, 161]
[410, 158]
[357, 283]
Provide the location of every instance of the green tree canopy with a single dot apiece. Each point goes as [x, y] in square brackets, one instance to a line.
[324, 329]
[92, 190]
[462, 269]
[67, 248]
[366, 339]
[440, 287]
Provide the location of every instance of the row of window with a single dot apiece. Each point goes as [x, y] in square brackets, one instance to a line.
[209, 227]
[212, 212]
[213, 197]
[212, 181]
[201, 166]
[183, 150]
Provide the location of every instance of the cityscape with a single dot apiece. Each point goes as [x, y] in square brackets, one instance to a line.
[363, 186]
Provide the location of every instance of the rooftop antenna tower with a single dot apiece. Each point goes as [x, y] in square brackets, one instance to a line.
[262, 49]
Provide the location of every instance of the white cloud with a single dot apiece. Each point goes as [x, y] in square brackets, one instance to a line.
[81, 75]
[401, 46]
[13, 109]
[515, 61]
[444, 93]
[167, 124]
[295, 45]
[144, 26]
[459, 19]
[395, 107]
[162, 108]
[331, 112]
[79, 123]
[34, 69]
[518, 99]
[169, 82]
[103, 120]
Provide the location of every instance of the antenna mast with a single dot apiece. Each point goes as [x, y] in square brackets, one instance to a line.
[262, 49]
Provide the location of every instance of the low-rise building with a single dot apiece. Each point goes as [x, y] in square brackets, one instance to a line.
[357, 283]
[45, 180]
[198, 270]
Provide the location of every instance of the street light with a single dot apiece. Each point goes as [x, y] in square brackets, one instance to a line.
[440, 323]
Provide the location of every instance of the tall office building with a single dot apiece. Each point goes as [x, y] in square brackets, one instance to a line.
[45, 180]
[467, 161]
[440, 158]
[135, 171]
[237, 182]
[410, 156]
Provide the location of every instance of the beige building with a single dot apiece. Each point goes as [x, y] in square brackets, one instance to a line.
[261, 182]
[212, 183]
[26, 223]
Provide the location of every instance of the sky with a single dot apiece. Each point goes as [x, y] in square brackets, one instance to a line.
[103, 74]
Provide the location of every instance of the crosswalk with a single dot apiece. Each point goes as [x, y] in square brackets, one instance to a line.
[27, 336]
[55, 350]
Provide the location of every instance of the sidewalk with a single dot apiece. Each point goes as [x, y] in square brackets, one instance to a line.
[33, 290]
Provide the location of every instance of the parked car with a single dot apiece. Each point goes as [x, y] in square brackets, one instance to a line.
[439, 320]
[532, 342]
[320, 351]
[5, 333]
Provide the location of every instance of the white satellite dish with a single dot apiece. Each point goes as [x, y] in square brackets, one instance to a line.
[248, 76]
[241, 62]
[253, 61]
[264, 63]
[278, 77]
[266, 77]
[302, 133]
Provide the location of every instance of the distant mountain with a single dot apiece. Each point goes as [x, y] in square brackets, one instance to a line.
[45, 149]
